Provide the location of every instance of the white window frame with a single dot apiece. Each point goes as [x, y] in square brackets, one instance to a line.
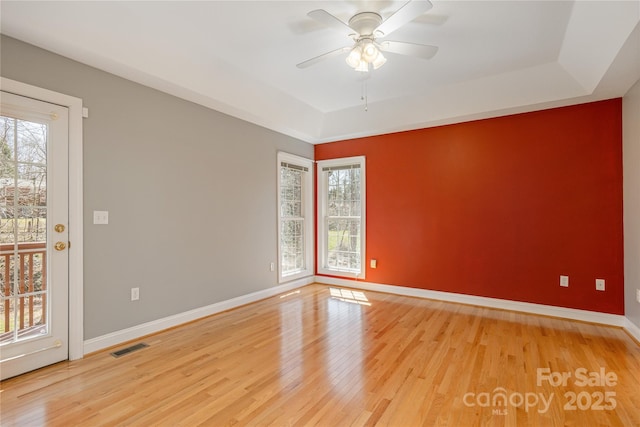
[307, 211]
[323, 200]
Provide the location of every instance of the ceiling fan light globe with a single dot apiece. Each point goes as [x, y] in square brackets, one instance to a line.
[369, 52]
[363, 67]
[379, 61]
[354, 58]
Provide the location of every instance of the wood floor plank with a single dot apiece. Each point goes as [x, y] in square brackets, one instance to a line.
[309, 358]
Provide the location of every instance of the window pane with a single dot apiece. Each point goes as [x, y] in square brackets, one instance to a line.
[343, 244]
[341, 205]
[343, 193]
[292, 225]
[291, 192]
[292, 245]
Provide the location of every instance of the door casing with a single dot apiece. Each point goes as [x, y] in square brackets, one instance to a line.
[76, 217]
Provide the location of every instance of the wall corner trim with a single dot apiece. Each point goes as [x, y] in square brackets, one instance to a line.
[118, 337]
[524, 307]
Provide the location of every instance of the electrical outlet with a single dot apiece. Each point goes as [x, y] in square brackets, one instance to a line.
[135, 294]
[374, 263]
[564, 281]
[272, 266]
[638, 295]
[599, 284]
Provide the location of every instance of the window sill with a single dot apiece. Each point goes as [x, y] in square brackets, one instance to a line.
[342, 273]
[295, 276]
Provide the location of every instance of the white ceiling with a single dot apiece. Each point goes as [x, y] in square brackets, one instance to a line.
[239, 57]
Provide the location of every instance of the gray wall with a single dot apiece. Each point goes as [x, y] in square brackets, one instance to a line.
[191, 194]
[631, 159]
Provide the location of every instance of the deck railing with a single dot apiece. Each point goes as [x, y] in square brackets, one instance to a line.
[30, 296]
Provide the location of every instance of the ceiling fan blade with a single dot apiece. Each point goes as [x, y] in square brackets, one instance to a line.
[331, 21]
[315, 60]
[408, 12]
[423, 51]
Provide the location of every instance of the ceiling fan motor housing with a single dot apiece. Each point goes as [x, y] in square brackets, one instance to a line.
[365, 23]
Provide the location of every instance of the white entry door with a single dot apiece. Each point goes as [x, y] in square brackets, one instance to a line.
[34, 211]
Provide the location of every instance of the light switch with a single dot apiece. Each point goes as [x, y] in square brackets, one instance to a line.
[101, 217]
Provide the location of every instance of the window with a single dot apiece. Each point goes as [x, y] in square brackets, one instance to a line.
[341, 217]
[295, 217]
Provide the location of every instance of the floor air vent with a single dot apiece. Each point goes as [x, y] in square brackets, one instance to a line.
[129, 349]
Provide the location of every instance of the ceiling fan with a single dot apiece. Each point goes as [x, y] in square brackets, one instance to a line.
[367, 29]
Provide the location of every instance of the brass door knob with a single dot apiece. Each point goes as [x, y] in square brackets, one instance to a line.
[60, 246]
[59, 228]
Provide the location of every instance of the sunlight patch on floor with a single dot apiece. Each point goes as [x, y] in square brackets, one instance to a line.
[347, 295]
[290, 293]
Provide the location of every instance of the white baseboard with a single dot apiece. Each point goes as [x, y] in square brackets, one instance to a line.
[117, 337]
[632, 329]
[525, 307]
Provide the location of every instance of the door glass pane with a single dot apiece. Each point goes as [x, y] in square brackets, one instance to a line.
[7, 320]
[31, 142]
[7, 229]
[7, 138]
[23, 229]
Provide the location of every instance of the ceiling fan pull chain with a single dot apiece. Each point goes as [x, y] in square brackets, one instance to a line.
[364, 96]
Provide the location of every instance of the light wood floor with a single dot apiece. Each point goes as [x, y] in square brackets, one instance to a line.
[308, 358]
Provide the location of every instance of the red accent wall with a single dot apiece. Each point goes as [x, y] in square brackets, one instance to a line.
[500, 207]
